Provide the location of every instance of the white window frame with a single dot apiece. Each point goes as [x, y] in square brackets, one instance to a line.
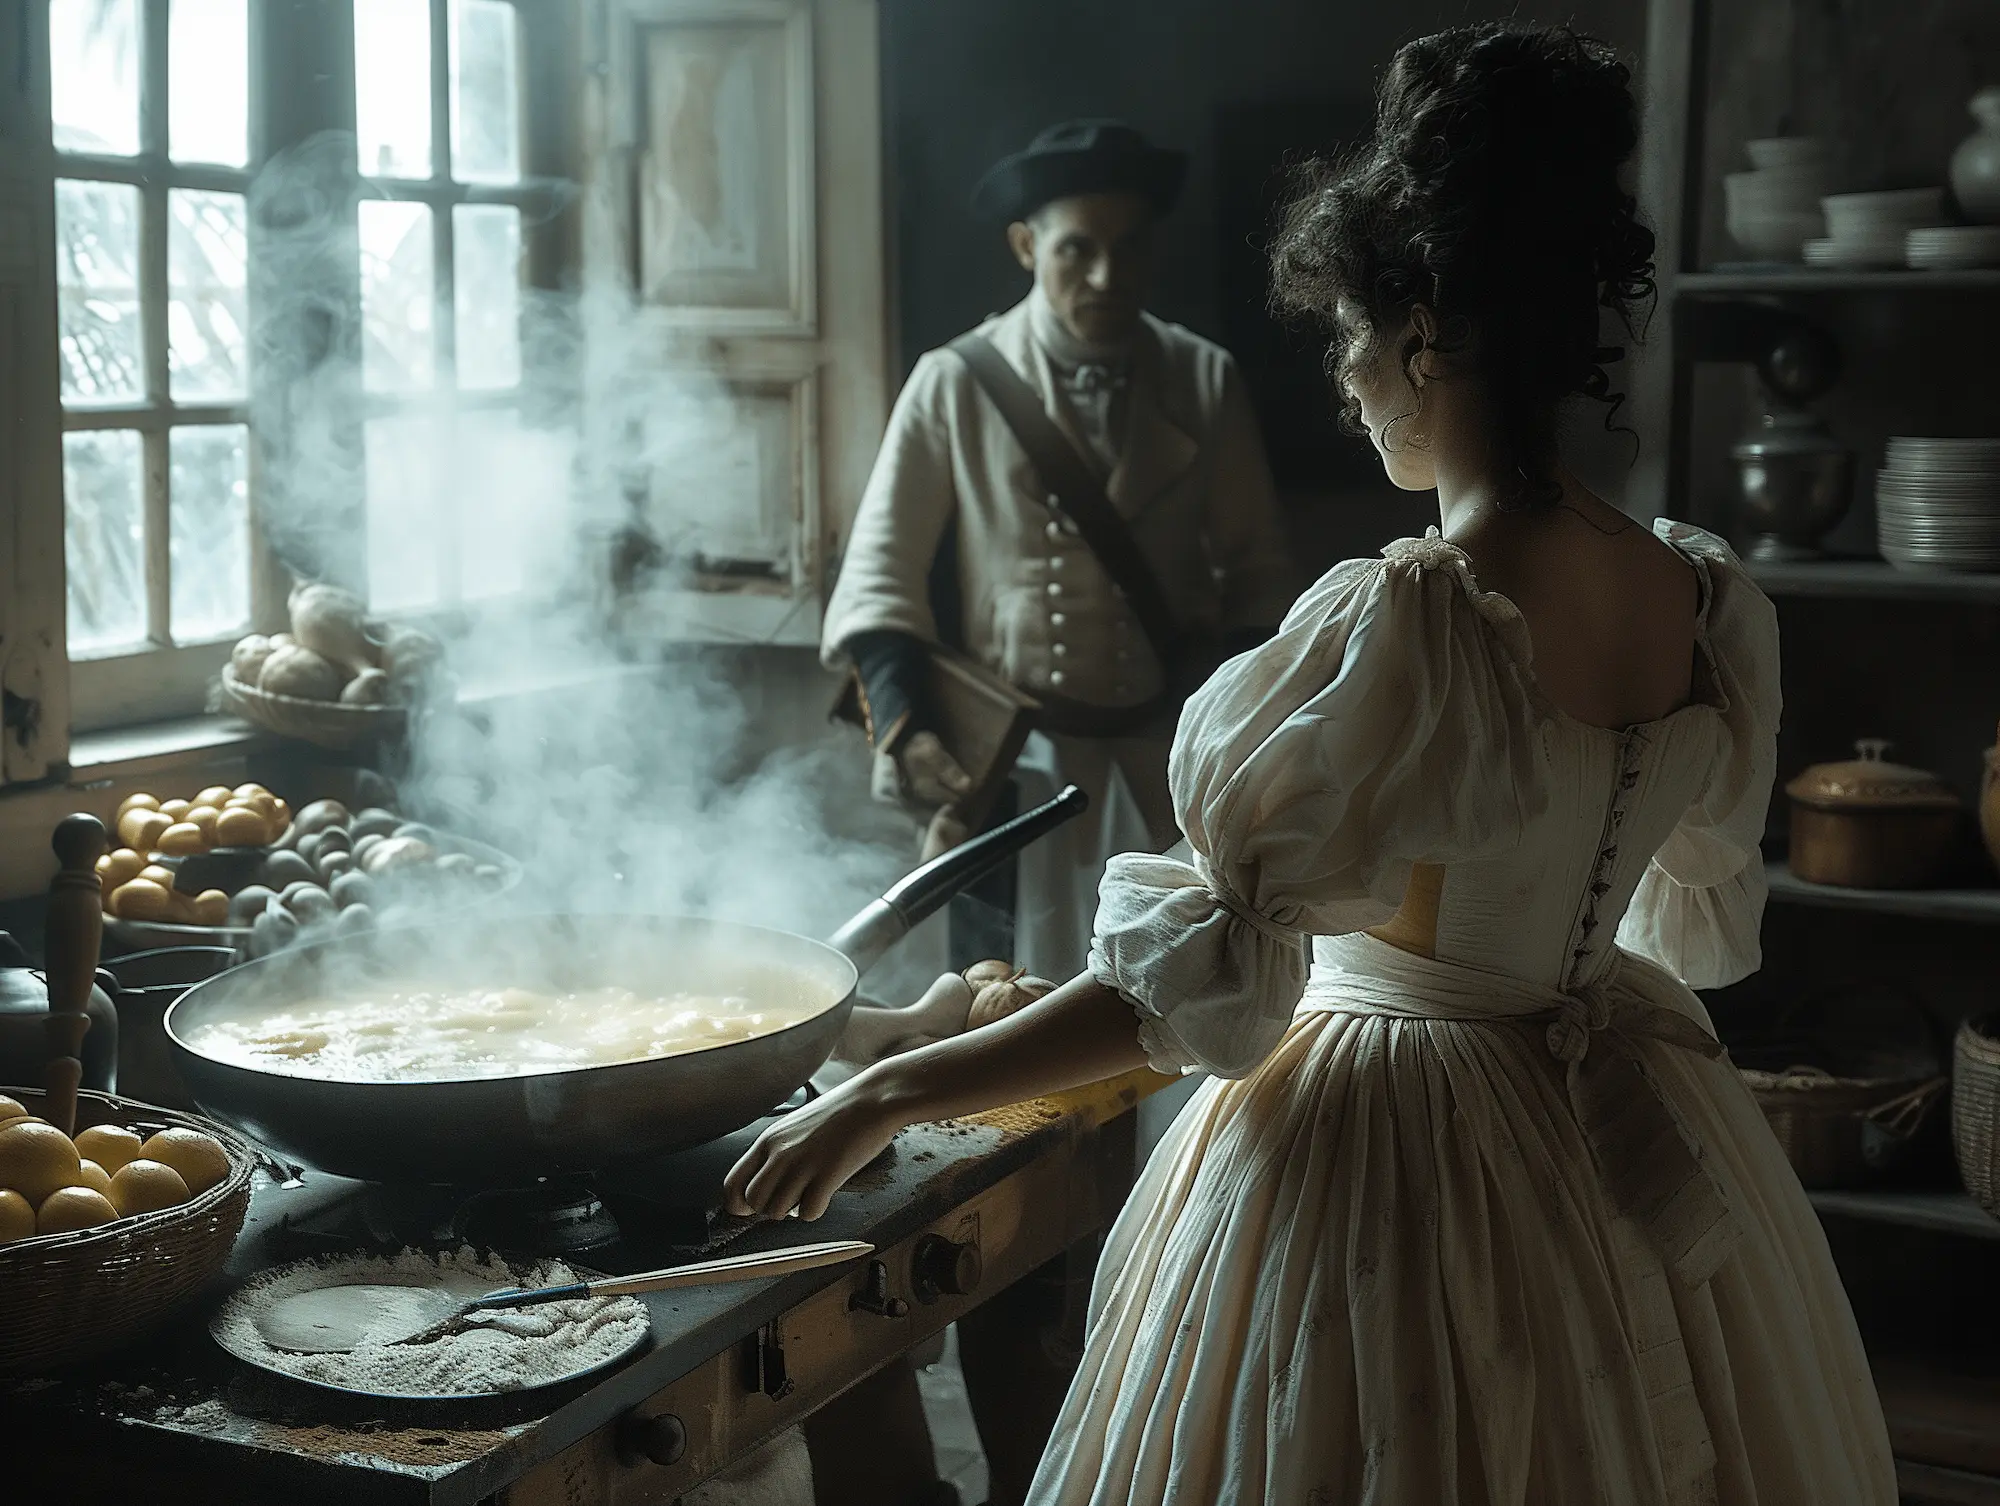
[441, 194]
[163, 678]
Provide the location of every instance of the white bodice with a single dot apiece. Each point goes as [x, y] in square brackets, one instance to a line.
[1395, 720]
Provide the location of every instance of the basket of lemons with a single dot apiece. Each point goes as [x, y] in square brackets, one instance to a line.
[106, 1234]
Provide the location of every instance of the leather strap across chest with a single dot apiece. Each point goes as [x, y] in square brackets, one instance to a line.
[1077, 493]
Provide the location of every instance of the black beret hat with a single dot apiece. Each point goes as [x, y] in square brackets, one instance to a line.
[1079, 157]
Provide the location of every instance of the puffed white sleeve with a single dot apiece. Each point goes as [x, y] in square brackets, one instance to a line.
[1386, 724]
[1699, 909]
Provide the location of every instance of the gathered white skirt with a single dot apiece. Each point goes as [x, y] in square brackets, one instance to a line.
[1384, 1270]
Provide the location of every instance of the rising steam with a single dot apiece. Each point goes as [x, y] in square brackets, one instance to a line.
[644, 779]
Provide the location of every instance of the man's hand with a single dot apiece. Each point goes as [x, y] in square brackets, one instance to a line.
[946, 830]
[920, 773]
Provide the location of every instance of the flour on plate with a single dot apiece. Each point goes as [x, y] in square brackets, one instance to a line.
[506, 1350]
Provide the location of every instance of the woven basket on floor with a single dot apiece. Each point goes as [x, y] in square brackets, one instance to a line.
[66, 1297]
[1975, 1109]
[1846, 1080]
[327, 724]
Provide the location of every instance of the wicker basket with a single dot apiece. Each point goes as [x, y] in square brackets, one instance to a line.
[1846, 1081]
[67, 1297]
[1975, 1109]
[327, 724]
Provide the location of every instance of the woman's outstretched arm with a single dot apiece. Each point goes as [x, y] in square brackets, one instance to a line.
[1081, 1033]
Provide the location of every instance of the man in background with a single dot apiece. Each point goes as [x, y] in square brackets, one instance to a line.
[959, 540]
[962, 540]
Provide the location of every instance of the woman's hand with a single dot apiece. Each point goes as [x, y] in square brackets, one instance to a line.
[1081, 1033]
[807, 1156]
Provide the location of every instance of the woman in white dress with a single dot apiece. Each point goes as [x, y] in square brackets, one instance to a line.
[1473, 1212]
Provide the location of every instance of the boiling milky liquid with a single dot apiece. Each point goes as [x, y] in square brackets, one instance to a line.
[442, 1035]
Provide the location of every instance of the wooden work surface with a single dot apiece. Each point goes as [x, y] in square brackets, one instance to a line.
[178, 1417]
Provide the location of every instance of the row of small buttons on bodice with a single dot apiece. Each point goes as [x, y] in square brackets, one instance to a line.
[1607, 853]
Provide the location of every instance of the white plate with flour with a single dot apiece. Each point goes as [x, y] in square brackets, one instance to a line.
[502, 1353]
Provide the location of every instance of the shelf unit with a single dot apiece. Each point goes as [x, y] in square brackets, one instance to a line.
[1725, 284]
[1942, 1212]
[1875, 580]
[1979, 907]
[1726, 314]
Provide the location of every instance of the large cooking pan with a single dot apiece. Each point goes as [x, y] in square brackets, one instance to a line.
[507, 1130]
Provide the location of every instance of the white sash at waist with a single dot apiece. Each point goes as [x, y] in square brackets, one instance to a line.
[1652, 1164]
[1675, 1215]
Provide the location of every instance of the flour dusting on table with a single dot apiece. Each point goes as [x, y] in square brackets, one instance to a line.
[505, 1350]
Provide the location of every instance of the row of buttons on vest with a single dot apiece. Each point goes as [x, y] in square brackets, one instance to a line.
[1056, 532]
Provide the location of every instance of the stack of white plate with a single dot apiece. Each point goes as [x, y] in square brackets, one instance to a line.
[1954, 248]
[1872, 229]
[1937, 504]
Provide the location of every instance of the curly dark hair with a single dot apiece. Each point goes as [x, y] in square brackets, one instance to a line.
[1490, 194]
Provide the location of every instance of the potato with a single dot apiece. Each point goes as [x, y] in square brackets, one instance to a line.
[263, 802]
[119, 867]
[332, 623]
[177, 809]
[274, 930]
[354, 920]
[310, 903]
[365, 845]
[320, 815]
[369, 688]
[182, 839]
[333, 862]
[215, 795]
[248, 904]
[139, 802]
[205, 817]
[395, 854]
[142, 899]
[141, 830]
[247, 659]
[375, 822]
[352, 888]
[241, 826]
[158, 873]
[211, 908]
[300, 673]
[1003, 997]
[992, 970]
[282, 868]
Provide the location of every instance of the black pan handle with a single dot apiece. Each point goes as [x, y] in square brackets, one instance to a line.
[926, 890]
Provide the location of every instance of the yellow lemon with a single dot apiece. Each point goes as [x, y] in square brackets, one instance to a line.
[109, 1145]
[199, 1158]
[96, 1178]
[11, 1108]
[17, 1216]
[68, 1209]
[36, 1159]
[146, 1187]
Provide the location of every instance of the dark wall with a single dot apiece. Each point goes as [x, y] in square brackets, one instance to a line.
[1238, 83]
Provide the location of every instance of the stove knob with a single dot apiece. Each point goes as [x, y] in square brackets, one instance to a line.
[661, 1438]
[941, 1267]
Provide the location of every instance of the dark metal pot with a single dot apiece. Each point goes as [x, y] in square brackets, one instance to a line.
[143, 985]
[511, 1129]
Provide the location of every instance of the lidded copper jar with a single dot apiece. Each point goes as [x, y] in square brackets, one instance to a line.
[1867, 823]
